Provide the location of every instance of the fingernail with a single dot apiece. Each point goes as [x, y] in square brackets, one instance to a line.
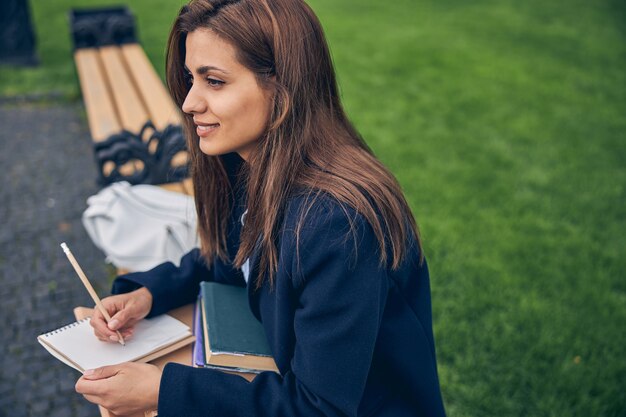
[113, 324]
[113, 338]
[88, 372]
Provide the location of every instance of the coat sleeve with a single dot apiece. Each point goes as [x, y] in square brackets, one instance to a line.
[174, 286]
[340, 291]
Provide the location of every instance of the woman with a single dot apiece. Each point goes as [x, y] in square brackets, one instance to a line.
[292, 204]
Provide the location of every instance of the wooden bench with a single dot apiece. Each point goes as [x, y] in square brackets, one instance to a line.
[134, 124]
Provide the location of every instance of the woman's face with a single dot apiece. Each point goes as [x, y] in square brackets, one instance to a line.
[229, 108]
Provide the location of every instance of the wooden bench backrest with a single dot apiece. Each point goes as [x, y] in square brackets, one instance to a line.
[130, 108]
[160, 106]
[122, 90]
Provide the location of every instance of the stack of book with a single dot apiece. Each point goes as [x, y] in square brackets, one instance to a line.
[228, 336]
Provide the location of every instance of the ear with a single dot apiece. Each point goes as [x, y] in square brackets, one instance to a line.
[281, 103]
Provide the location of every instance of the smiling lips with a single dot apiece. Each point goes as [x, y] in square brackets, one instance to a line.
[205, 129]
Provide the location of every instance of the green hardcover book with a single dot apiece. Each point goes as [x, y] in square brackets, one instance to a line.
[233, 337]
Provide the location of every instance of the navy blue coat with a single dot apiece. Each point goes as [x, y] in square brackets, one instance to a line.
[350, 338]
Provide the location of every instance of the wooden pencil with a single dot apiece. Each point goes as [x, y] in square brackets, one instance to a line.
[90, 289]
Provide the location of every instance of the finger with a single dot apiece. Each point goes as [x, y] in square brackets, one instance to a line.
[111, 306]
[103, 338]
[88, 387]
[115, 323]
[116, 307]
[101, 373]
[100, 327]
[128, 333]
[121, 319]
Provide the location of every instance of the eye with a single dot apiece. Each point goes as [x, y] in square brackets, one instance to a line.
[214, 82]
[188, 78]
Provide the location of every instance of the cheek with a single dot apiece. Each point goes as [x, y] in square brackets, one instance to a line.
[260, 107]
[248, 111]
[258, 113]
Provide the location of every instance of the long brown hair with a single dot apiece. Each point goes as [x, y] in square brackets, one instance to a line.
[309, 142]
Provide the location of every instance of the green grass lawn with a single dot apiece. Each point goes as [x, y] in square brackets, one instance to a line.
[57, 73]
[505, 123]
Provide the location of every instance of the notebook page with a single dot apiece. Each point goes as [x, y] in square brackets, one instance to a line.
[76, 343]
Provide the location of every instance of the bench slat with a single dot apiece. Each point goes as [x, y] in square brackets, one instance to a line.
[160, 106]
[101, 114]
[130, 107]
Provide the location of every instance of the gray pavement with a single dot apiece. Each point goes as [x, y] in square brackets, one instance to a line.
[48, 171]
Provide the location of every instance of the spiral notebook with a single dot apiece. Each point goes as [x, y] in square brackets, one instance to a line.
[77, 346]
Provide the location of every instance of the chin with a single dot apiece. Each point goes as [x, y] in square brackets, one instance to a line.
[211, 150]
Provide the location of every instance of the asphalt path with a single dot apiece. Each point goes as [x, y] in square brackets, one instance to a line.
[48, 172]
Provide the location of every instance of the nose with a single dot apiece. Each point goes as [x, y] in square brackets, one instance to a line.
[194, 103]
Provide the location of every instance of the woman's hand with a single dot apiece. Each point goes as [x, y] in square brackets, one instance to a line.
[123, 389]
[125, 311]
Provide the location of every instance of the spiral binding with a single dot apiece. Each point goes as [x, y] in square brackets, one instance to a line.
[64, 328]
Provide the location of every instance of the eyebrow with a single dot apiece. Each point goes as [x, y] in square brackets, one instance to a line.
[206, 68]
